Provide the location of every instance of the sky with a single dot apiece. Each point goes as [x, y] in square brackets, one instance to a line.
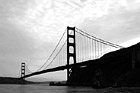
[30, 29]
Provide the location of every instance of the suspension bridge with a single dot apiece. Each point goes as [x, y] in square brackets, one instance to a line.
[75, 49]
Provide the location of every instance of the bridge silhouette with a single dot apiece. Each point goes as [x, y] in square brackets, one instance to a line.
[74, 49]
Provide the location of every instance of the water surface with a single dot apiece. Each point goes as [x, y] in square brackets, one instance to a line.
[7, 88]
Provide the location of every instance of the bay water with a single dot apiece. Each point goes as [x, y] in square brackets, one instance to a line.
[42, 88]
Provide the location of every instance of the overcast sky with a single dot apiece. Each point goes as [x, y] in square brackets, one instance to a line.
[30, 29]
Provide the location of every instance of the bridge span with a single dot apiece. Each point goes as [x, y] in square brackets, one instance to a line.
[89, 60]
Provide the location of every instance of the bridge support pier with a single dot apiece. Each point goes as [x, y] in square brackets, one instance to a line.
[22, 70]
[71, 49]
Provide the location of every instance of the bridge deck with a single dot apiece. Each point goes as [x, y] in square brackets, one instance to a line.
[58, 68]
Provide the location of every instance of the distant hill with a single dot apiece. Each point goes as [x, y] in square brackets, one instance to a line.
[10, 80]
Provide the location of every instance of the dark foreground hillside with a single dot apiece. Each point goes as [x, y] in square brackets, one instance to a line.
[117, 68]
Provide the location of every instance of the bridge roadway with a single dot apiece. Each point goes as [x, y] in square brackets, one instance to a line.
[59, 68]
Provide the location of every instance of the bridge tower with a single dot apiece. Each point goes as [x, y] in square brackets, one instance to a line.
[71, 49]
[22, 70]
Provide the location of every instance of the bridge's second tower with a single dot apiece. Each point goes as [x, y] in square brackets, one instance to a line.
[71, 49]
[22, 70]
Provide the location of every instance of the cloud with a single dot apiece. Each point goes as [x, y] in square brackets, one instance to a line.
[15, 44]
[119, 25]
[14, 39]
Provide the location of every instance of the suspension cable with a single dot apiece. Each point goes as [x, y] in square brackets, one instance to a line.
[58, 51]
[56, 54]
[27, 69]
[97, 39]
[52, 51]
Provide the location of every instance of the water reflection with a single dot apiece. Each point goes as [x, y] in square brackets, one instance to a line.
[22, 89]
[80, 90]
